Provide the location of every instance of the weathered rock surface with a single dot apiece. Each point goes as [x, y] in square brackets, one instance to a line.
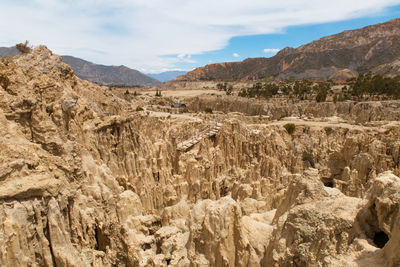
[87, 181]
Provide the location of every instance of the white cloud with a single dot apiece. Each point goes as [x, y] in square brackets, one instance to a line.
[271, 50]
[236, 55]
[186, 58]
[144, 34]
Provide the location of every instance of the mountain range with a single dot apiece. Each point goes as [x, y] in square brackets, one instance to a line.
[373, 48]
[108, 75]
[167, 75]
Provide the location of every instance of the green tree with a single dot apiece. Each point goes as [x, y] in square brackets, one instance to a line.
[321, 90]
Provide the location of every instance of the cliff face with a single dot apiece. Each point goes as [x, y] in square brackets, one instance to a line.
[87, 181]
[373, 48]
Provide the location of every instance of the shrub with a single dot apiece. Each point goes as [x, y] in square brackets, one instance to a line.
[161, 103]
[290, 127]
[24, 47]
[139, 109]
[308, 156]
[328, 130]
[208, 110]
[229, 90]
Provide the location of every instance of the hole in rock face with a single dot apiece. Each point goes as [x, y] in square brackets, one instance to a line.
[328, 182]
[380, 239]
[102, 240]
[146, 246]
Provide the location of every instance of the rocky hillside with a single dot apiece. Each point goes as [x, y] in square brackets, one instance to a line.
[86, 180]
[108, 75]
[374, 48]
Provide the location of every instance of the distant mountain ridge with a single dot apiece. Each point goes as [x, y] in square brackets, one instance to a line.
[8, 51]
[105, 75]
[166, 76]
[373, 48]
[108, 75]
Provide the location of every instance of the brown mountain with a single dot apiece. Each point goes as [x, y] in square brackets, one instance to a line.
[373, 48]
[108, 75]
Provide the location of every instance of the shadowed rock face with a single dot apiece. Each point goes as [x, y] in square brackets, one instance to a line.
[373, 48]
[85, 180]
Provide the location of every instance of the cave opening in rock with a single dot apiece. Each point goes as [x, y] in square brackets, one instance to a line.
[380, 239]
[102, 240]
[328, 182]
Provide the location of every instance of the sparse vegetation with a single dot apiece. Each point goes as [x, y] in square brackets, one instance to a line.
[208, 110]
[24, 47]
[375, 85]
[328, 130]
[302, 89]
[308, 157]
[229, 90]
[260, 90]
[290, 127]
[161, 103]
[158, 93]
[139, 109]
[321, 90]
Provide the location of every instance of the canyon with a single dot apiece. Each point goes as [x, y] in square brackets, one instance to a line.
[90, 176]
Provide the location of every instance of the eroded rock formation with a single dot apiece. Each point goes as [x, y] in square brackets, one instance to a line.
[85, 180]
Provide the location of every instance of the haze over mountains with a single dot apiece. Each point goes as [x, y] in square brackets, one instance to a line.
[373, 48]
[167, 75]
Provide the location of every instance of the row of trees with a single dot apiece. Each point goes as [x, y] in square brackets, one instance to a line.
[364, 86]
[303, 89]
[373, 85]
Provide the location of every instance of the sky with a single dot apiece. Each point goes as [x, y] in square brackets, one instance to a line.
[160, 35]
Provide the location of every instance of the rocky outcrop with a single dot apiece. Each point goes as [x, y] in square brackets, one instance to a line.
[87, 181]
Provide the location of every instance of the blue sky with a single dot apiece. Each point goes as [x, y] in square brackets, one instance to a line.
[159, 35]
